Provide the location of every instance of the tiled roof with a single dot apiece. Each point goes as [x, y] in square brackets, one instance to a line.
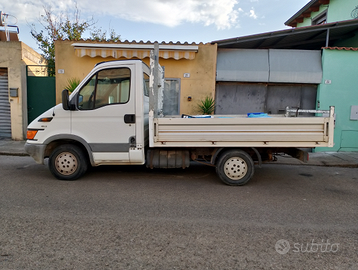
[305, 12]
[341, 48]
[136, 42]
[162, 43]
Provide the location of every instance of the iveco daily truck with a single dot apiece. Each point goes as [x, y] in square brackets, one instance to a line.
[114, 118]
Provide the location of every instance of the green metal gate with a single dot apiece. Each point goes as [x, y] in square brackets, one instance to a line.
[41, 91]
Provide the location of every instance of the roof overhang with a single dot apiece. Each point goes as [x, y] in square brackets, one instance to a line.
[305, 12]
[304, 38]
[139, 51]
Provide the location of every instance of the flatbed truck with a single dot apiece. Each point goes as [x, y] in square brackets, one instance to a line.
[114, 117]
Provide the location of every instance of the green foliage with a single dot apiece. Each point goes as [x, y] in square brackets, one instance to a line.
[97, 34]
[72, 83]
[207, 106]
[57, 28]
[62, 27]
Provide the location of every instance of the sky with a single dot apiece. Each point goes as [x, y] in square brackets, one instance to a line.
[160, 20]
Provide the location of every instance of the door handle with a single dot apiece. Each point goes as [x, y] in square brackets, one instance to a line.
[129, 118]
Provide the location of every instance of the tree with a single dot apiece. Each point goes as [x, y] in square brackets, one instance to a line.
[57, 28]
[60, 27]
[97, 34]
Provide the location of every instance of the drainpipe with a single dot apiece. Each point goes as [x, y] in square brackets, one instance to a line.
[327, 38]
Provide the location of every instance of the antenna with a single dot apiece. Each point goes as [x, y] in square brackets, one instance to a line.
[2, 18]
[3, 23]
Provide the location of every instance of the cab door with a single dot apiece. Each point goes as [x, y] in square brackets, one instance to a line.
[105, 115]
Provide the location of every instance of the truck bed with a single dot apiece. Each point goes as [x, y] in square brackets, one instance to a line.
[242, 131]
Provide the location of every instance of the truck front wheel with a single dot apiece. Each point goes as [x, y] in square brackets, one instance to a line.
[235, 167]
[67, 162]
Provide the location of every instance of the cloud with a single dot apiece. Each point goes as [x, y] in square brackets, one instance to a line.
[30, 10]
[221, 13]
[253, 14]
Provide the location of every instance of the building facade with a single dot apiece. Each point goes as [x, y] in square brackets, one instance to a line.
[189, 68]
[14, 57]
[339, 86]
[311, 65]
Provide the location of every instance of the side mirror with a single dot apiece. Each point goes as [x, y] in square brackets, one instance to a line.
[65, 100]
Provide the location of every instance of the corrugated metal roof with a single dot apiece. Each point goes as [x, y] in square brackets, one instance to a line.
[305, 38]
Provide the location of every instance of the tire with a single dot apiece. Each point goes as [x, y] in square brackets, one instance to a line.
[235, 167]
[68, 162]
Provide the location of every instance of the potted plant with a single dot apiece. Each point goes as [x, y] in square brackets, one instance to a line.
[72, 83]
[207, 106]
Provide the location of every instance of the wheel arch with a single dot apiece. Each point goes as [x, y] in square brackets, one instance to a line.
[249, 150]
[54, 141]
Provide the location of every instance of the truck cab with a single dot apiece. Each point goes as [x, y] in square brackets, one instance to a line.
[104, 121]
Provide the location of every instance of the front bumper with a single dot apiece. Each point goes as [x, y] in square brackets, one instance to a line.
[36, 151]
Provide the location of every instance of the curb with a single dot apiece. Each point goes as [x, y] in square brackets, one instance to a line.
[4, 153]
[317, 165]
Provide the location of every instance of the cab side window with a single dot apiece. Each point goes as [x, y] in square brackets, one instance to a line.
[86, 95]
[109, 86]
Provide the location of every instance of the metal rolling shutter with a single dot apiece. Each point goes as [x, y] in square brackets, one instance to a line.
[5, 116]
[272, 65]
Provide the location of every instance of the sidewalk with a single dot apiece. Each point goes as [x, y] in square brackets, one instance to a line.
[330, 159]
[9, 147]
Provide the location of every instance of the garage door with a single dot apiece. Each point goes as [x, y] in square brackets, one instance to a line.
[5, 116]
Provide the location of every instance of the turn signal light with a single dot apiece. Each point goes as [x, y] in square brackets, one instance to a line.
[31, 134]
[45, 119]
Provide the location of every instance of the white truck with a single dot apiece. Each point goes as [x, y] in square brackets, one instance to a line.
[113, 118]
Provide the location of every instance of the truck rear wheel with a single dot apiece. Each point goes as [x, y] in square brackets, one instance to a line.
[235, 167]
[67, 162]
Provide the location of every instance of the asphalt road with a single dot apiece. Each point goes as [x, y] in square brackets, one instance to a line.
[286, 217]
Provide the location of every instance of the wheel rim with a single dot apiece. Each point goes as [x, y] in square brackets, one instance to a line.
[66, 163]
[235, 168]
